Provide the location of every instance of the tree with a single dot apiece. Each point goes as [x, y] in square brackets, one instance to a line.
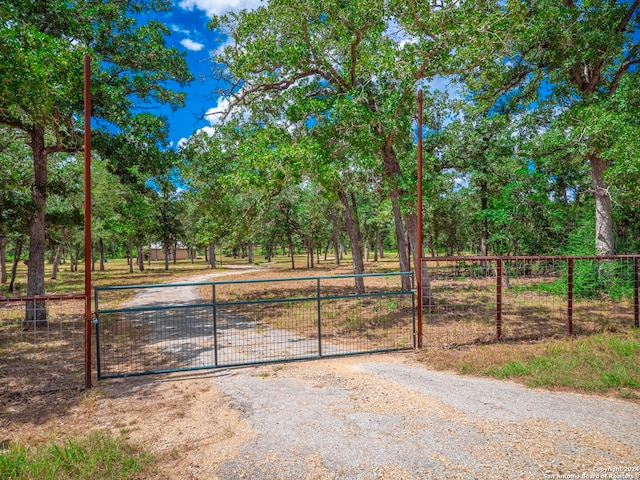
[350, 63]
[15, 201]
[580, 58]
[42, 44]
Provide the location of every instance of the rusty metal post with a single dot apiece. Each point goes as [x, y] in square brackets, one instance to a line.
[636, 307]
[498, 298]
[87, 218]
[419, 221]
[570, 297]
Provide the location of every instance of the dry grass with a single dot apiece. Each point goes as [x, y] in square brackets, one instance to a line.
[43, 358]
[464, 312]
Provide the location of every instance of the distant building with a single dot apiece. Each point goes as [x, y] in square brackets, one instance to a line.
[156, 252]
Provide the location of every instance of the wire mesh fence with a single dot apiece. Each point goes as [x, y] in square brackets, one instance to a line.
[42, 344]
[219, 324]
[477, 300]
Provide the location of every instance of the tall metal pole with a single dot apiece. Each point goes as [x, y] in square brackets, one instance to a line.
[419, 241]
[87, 219]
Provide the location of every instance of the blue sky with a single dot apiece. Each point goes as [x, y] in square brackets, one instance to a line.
[188, 22]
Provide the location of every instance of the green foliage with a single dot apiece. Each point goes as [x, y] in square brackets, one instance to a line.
[592, 279]
[94, 457]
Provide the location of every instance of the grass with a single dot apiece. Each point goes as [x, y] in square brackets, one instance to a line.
[97, 456]
[607, 363]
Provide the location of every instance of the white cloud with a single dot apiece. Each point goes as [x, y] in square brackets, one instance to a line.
[214, 115]
[191, 45]
[219, 7]
[178, 29]
[182, 143]
[208, 130]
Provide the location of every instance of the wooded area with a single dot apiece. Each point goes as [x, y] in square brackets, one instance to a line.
[532, 114]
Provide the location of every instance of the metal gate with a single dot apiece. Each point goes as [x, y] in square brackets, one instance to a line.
[168, 328]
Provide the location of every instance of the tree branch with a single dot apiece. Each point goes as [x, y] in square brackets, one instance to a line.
[625, 20]
[626, 63]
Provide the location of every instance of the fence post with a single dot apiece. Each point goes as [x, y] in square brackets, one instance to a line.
[636, 308]
[570, 297]
[498, 298]
[215, 325]
[96, 322]
[319, 318]
[413, 314]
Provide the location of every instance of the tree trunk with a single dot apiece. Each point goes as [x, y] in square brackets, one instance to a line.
[101, 249]
[291, 252]
[392, 172]
[250, 252]
[56, 261]
[37, 315]
[270, 248]
[167, 253]
[93, 258]
[604, 222]
[336, 238]
[376, 245]
[140, 258]
[76, 259]
[484, 239]
[353, 230]
[212, 254]
[131, 255]
[175, 252]
[418, 252]
[14, 266]
[3, 259]
[403, 254]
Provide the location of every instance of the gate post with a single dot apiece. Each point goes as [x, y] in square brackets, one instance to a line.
[570, 297]
[215, 324]
[319, 318]
[498, 298]
[96, 322]
[636, 307]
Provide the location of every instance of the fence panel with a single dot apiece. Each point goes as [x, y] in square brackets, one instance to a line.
[481, 299]
[46, 355]
[251, 321]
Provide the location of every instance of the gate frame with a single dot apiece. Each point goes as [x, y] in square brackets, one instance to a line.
[215, 304]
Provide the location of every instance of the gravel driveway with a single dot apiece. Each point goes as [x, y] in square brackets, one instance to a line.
[390, 417]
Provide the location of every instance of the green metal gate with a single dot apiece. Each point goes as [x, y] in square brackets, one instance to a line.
[168, 328]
